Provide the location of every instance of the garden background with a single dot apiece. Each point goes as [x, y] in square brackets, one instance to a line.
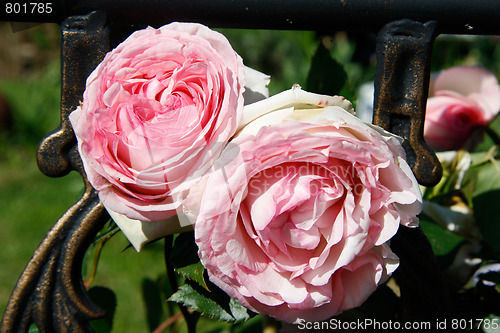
[31, 202]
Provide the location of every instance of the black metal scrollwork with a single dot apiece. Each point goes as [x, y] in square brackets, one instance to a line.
[50, 292]
[401, 87]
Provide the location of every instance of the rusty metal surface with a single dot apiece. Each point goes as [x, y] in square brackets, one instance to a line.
[84, 42]
[401, 89]
[50, 292]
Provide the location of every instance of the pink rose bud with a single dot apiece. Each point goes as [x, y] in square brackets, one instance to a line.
[152, 112]
[461, 99]
[295, 220]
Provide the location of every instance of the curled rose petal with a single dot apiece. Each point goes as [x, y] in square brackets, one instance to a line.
[297, 225]
[256, 86]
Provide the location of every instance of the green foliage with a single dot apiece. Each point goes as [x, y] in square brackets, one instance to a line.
[450, 50]
[443, 242]
[184, 258]
[489, 137]
[284, 55]
[154, 302]
[140, 281]
[482, 186]
[326, 76]
[126, 272]
[33, 329]
[487, 216]
[35, 105]
[215, 304]
[473, 192]
[197, 293]
[471, 187]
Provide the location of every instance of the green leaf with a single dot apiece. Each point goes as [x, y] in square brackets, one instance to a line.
[487, 211]
[111, 230]
[495, 124]
[104, 298]
[213, 304]
[442, 241]
[485, 181]
[33, 329]
[326, 76]
[490, 136]
[485, 174]
[193, 272]
[238, 311]
[185, 260]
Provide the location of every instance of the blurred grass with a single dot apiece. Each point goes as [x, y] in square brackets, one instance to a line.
[25, 215]
[31, 202]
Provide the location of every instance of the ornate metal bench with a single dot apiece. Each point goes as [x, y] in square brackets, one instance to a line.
[50, 292]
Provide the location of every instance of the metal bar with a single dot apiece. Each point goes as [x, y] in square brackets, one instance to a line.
[50, 291]
[404, 50]
[84, 43]
[401, 87]
[453, 16]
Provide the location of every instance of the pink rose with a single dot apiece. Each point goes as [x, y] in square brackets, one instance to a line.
[461, 99]
[153, 110]
[295, 219]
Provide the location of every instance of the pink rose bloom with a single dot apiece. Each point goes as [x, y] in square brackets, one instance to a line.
[295, 219]
[461, 99]
[153, 110]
